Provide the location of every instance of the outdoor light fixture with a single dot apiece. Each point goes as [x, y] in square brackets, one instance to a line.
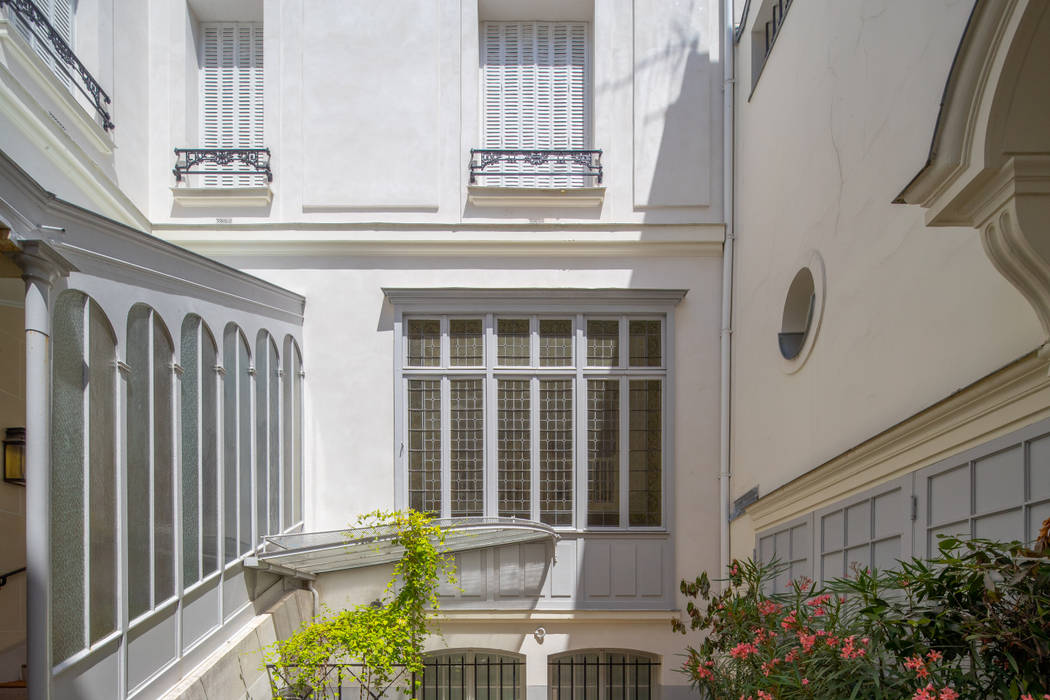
[15, 456]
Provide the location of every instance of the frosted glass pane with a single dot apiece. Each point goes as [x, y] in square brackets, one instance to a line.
[556, 451]
[423, 337]
[209, 436]
[230, 344]
[138, 494]
[465, 348]
[103, 469]
[645, 452]
[603, 343]
[513, 445]
[555, 343]
[603, 452]
[67, 477]
[466, 447]
[163, 467]
[644, 339]
[191, 493]
[290, 380]
[512, 341]
[244, 443]
[274, 420]
[297, 502]
[424, 445]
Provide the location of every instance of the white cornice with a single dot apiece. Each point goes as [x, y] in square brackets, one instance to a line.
[454, 299]
[503, 616]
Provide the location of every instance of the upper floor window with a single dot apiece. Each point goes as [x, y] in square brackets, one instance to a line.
[57, 13]
[551, 417]
[231, 81]
[535, 98]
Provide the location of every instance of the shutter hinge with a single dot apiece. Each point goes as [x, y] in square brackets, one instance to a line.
[914, 507]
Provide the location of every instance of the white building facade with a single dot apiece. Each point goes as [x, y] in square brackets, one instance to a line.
[461, 256]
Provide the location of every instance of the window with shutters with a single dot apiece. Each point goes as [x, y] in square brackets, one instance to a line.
[557, 418]
[59, 14]
[535, 106]
[231, 83]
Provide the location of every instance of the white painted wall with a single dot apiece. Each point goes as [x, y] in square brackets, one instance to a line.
[838, 123]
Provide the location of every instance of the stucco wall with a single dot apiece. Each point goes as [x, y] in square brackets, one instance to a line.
[838, 123]
[12, 497]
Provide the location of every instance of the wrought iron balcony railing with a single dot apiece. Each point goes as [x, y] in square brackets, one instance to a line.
[251, 161]
[551, 167]
[47, 38]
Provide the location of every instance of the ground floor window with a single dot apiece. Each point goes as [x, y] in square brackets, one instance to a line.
[472, 676]
[603, 675]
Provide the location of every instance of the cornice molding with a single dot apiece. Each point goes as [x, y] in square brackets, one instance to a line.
[496, 299]
[1013, 396]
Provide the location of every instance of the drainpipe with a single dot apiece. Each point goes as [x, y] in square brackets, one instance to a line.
[728, 96]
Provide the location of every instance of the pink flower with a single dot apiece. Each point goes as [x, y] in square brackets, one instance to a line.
[914, 663]
[819, 600]
[927, 693]
[743, 650]
[947, 694]
[807, 641]
[934, 655]
[768, 607]
[790, 620]
[805, 681]
[763, 695]
[1027, 696]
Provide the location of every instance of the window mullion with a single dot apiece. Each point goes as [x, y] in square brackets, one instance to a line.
[200, 377]
[150, 461]
[86, 496]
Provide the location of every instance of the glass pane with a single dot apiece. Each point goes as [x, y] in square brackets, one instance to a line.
[514, 448]
[67, 477]
[262, 433]
[163, 466]
[465, 342]
[603, 452]
[512, 341]
[556, 419]
[603, 343]
[230, 343]
[275, 440]
[138, 477]
[424, 342]
[555, 343]
[424, 445]
[209, 457]
[466, 440]
[645, 452]
[244, 443]
[645, 338]
[102, 506]
[289, 380]
[297, 503]
[190, 410]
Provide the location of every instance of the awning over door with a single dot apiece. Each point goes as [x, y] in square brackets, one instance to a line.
[307, 554]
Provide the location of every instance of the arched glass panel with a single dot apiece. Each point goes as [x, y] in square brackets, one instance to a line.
[151, 469]
[84, 410]
[237, 475]
[267, 436]
[297, 437]
[199, 452]
[291, 467]
[472, 675]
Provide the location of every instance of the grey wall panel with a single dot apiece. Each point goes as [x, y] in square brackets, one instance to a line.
[651, 571]
[536, 557]
[949, 495]
[234, 593]
[91, 681]
[151, 647]
[999, 481]
[792, 546]
[596, 574]
[563, 569]
[1039, 468]
[624, 569]
[200, 613]
[471, 572]
[1036, 516]
[510, 574]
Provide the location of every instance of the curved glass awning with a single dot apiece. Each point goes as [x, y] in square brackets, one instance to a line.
[307, 554]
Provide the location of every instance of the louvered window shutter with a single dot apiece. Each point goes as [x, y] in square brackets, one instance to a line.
[232, 94]
[534, 95]
[60, 14]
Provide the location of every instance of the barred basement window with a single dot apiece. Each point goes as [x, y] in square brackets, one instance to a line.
[603, 675]
[493, 426]
[472, 676]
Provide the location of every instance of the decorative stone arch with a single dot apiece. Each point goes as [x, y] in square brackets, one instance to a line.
[989, 162]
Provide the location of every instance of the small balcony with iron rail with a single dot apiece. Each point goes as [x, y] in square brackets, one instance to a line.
[222, 177]
[552, 177]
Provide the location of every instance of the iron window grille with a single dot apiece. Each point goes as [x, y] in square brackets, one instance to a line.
[603, 676]
[772, 27]
[571, 165]
[194, 161]
[50, 40]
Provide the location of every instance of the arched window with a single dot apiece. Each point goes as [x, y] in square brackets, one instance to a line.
[200, 452]
[473, 675]
[150, 468]
[237, 451]
[83, 476]
[267, 436]
[603, 675]
[292, 469]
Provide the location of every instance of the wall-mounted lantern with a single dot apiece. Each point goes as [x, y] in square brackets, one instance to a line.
[15, 456]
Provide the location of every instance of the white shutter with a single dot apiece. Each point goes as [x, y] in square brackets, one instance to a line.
[60, 14]
[232, 94]
[534, 92]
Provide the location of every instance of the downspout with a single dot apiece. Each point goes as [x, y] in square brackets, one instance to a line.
[728, 97]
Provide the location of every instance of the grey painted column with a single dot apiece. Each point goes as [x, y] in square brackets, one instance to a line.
[40, 267]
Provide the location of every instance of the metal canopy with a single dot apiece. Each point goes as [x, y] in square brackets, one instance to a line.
[310, 553]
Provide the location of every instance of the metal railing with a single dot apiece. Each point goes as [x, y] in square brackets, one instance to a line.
[597, 678]
[254, 161]
[328, 681]
[4, 577]
[547, 164]
[48, 38]
[780, 8]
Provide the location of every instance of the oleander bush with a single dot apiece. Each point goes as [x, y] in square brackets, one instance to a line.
[973, 622]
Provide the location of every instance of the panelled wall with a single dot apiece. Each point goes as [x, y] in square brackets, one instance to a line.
[999, 491]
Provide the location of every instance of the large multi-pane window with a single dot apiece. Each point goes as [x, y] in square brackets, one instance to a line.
[555, 418]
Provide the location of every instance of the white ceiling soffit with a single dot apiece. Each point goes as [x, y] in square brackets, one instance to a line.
[314, 553]
[227, 10]
[536, 10]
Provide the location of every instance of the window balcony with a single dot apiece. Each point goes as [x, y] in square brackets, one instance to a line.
[237, 177]
[56, 52]
[536, 177]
